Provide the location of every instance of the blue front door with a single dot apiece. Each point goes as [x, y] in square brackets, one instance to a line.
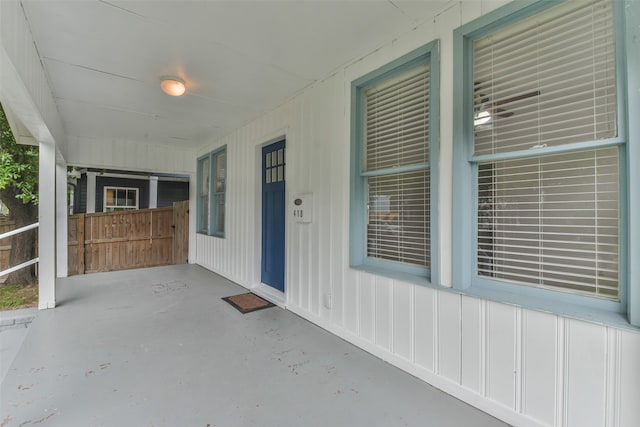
[273, 215]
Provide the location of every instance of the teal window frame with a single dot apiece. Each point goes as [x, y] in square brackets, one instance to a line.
[465, 173]
[358, 194]
[211, 229]
[201, 228]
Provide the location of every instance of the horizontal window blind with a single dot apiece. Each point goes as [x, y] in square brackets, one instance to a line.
[221, 172]
[398, 226]
[397, 121]
[204, 169]
[547, 80]
[551, 221]
[396, 134]
[220, 191]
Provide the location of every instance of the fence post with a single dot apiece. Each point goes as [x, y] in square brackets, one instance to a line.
[81, 269]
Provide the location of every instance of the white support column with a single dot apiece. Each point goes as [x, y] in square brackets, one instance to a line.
[61, 219]
[91, 192]
[153, 192]
[47, 229]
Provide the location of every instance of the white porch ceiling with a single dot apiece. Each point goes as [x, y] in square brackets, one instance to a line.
[104, 59]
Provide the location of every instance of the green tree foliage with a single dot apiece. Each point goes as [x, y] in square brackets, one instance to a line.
[19, 193]
[18, 164]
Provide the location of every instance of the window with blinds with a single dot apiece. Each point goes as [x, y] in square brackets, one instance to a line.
[396, 167]
[549, 220]
[220, 161]
[212, 188]
[204, 170]
[546, 81]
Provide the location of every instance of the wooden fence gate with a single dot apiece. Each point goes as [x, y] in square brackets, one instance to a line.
[132, 239]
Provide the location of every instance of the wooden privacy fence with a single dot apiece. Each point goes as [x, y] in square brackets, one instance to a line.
[5, 245]
[128, 239]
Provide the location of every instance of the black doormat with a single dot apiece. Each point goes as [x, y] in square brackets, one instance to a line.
[248, 302]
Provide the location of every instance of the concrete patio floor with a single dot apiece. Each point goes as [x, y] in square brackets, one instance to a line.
[158, 347]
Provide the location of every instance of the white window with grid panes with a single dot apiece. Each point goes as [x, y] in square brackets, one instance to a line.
[120, 199]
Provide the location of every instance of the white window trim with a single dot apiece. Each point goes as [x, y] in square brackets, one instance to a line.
[105, 207]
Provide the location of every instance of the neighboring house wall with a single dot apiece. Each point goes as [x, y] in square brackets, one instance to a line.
[80, 195]
[172, 191]
[526, 367]
[105, 181]
[168, 192]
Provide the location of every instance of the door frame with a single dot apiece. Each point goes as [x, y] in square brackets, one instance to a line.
[262, 289]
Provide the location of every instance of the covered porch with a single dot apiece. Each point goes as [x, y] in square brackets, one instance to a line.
[158, 347]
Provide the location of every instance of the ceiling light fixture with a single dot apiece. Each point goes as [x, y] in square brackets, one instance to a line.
[173, 86]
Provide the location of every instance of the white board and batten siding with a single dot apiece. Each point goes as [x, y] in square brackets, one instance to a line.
[525, 367]
[108, 153]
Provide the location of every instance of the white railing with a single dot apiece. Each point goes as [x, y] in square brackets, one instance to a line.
[13, 233]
